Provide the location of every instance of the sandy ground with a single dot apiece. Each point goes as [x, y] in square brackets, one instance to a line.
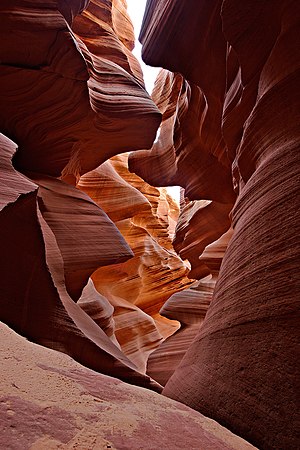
[49, 401]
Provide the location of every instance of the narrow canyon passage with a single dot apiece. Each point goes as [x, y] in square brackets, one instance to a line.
[109, 281]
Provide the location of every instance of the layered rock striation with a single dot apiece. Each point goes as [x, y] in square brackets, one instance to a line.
[86, 245]
[139, 287]
[230, 124]
[58, 76]
[88, 235]
[189, 307]
[72, 95]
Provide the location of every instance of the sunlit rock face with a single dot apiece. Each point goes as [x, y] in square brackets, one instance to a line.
[138, 288]
[188, 307]
[89, 255]
[50, 250]
[231, 128]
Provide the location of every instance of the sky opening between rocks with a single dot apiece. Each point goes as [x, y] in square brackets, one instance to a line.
[136, 10]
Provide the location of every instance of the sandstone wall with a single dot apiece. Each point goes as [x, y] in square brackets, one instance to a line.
[233, 130]
[87, 261]
[72, 96]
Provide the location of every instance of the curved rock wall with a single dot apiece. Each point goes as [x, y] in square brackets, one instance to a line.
[87, 247]
[88, 267]
[238, 92]
[189, 307]
[138, 288]
[72, 95]
[57, 87]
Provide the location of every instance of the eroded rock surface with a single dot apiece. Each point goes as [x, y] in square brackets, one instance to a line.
[139, 287]
[231, 119]
[88, 263]
[72, 95]
[73, 98]
[57, 86]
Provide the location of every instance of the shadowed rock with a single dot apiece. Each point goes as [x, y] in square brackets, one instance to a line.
[243, 58]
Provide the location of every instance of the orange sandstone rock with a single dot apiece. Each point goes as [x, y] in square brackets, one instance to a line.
[57, 87]
[34, 292]
[139, 287]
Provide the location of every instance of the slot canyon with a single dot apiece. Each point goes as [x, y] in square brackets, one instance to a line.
[129, 321]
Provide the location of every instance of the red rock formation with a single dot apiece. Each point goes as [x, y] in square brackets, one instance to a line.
[69, 102]
[138, 288]
[189, 307]
[200, 223]
[57, 87]
[87, 410]
[184, 146]
[99, 309]
[84, 98]
[72, 96]
[242, 63]
[34, 293]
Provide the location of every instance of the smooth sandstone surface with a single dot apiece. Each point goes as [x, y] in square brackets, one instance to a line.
[138, 288]
[240, 72]
[39, 305]
[189, 308]
[59, 74]
[63, 101]
[48, 401]
[89, 237]
[84, 98]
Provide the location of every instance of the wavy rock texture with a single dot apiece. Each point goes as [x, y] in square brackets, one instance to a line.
[38, 305]
[84, 97]
[184, 146]
[87, 410]
[200, 223]
[188, 307]
[72, 96]
[242, 97]
[86, 246]
[138, 288]
[57, 87]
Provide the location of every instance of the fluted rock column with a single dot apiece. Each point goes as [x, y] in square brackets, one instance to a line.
[241, 369]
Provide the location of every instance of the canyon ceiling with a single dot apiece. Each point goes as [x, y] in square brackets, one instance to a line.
[199, 302]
